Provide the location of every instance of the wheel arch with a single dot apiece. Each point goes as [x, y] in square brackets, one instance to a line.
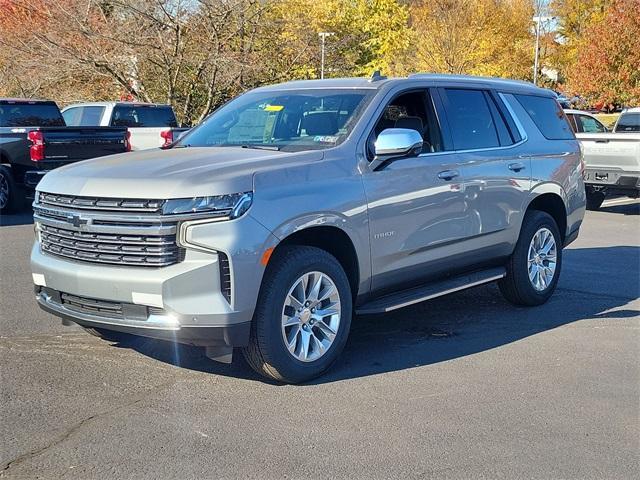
[333, 240]
[553, 204]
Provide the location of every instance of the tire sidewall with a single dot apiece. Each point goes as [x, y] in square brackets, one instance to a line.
[6, 173]
[534, 222]
[269, 314]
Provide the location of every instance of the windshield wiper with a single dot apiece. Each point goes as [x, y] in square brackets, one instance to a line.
[274, 148]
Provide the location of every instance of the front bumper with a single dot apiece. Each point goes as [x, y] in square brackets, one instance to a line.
[153, 326]
[183, 302]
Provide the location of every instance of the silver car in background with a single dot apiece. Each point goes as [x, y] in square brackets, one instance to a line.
[296, 205]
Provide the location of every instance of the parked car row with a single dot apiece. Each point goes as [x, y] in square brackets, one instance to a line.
[612, 159]
[35, 137]
[150, 125]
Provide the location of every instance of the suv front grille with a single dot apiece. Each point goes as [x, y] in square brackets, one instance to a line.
[95, 203]
[91, 306]
[141, 250]
[128, 232]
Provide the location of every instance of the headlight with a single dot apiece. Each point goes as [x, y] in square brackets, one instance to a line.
[233, 205]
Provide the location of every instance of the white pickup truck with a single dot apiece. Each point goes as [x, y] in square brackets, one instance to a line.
[150, 125]
[612, 158]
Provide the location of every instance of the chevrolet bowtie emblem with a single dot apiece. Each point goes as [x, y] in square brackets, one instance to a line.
[77, 221]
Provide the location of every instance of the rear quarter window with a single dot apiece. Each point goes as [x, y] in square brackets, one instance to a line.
[548, 116]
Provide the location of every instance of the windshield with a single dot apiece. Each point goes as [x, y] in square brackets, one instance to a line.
[292, 120]
[629, 122]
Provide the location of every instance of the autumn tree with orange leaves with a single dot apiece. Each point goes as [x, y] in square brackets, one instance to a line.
[607, 68]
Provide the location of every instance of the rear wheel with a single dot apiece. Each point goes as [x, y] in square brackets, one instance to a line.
[303, 315]
[534, 267]
[8, 191]
[594, 199]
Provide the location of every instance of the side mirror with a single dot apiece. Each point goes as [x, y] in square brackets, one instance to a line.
[394, 143]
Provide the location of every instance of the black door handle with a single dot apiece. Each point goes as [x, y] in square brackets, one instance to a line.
[448, 174]
[516, 167]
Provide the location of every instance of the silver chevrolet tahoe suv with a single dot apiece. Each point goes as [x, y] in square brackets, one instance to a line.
[296, 205]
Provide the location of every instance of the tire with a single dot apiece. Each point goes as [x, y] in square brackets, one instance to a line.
[109, 335]
[594, 200]
[267, 352]
[517, 286]
[9, 201]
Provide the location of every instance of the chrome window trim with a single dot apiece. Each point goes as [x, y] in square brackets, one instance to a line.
[516, 120]
[523, 133]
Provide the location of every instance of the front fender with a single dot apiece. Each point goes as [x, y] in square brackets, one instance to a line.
[355, 226]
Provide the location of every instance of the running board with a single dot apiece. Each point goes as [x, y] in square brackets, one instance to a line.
[426, 292]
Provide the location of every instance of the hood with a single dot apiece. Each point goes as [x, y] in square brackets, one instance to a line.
[173, 173]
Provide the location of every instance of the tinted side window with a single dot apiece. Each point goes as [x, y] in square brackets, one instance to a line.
[589, 124]
[572, 121]
[548, 116]
[72, 116]
[501, 126]
[30, 115]
[83, 116]
[470, 119]
[412, 110]
[143, 116]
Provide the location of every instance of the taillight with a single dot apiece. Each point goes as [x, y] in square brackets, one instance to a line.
[127, 141]
[37, 145]
[167, 136]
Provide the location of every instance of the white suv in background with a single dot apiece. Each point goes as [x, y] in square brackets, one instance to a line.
[150, 125]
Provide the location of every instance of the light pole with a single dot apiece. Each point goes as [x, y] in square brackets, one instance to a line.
[536, 61]
[537, 52]
[323, 36]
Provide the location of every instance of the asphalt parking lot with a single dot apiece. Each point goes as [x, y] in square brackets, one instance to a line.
[465, 386]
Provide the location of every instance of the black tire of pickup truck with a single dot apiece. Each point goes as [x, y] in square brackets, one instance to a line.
[267, 353]
[516, 286]
[9, 194]
[594, 200]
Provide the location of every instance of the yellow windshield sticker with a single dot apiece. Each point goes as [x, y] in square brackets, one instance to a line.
[273, 108]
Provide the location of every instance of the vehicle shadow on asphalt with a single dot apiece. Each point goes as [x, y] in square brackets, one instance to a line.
[455, 326]
[624, 209]
[20, 218]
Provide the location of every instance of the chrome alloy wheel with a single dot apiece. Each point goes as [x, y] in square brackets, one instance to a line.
[4, 191]
[311, 316]
[542, 258]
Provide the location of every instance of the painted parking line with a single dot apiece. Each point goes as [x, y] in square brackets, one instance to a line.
[620, 201]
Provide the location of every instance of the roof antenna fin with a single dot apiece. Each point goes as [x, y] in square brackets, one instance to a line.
[376, 77]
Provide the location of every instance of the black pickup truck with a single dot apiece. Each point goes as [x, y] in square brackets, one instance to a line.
[34, 139]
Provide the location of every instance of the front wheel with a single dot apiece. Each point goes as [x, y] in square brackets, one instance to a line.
[534, 267]
[302, 317]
